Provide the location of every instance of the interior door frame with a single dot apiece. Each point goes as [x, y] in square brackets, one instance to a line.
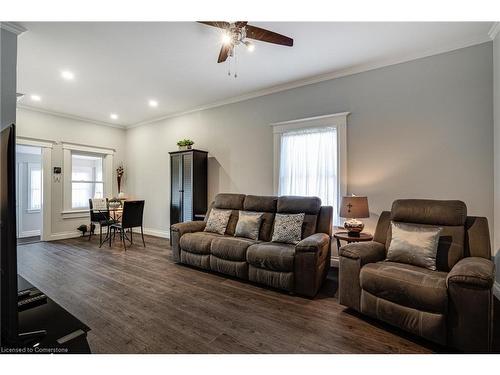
[46, 165]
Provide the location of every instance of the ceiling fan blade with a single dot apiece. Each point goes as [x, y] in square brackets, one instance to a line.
[224, 53]
[240, 24]
[264, 35]
[219, 24]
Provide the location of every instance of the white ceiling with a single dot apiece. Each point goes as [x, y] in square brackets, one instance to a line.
[118, 67]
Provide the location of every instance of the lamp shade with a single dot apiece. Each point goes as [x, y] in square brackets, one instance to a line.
[354, 207]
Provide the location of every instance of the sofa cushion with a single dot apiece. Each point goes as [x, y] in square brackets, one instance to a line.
[432, 212]
[414, 244]
[217, 221]
[272, 256]
[288, 228]
[450, 246]
[260, 203]
[231, 248]
[248, 225]
[296, 205]
[406, 285]
[198, 242]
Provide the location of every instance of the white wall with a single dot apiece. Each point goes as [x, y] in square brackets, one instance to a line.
[421, 129]
[37, 125]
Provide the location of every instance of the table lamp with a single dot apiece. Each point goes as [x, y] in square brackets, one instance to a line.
[353, 208]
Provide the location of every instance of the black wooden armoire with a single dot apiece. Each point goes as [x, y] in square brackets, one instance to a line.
[188, 185]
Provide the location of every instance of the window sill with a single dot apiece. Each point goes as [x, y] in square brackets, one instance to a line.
[29, 211]
[75, 214]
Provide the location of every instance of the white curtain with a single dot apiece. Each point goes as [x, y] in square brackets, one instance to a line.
[308, 165]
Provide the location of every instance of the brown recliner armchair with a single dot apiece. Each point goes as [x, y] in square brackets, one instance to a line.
[451, 306]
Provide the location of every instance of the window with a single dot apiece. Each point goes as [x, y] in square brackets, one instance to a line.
[86, 179]
[34, 186]
[310, 159]
[308, 164]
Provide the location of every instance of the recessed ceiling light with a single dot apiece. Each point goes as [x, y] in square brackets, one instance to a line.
[36, 98]
[153, 103]
[67, 75]
[113, 116]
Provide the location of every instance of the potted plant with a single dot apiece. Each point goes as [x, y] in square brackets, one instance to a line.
[185, 144]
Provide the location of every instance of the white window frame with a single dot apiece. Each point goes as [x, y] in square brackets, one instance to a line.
[32, 166]
[338, 121]
[107, 175]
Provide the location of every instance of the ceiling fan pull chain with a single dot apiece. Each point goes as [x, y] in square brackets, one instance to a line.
[235, 65]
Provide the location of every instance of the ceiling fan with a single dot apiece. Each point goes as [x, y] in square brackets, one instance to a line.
[237, 33]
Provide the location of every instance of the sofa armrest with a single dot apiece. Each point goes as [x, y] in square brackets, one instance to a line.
[473, 272]
[365, 252]
[188, 227]
[311, 263]
[312, 244]
[352, 257]
[178, 230]
[470, 305]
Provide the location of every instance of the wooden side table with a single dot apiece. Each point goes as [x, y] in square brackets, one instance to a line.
[344, 236]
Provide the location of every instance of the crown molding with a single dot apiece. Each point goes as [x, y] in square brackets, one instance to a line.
[13, 27]
[324, 77]
[68, 116]
[495, 28]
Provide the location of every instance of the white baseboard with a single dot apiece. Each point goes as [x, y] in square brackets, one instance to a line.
[154, 232]
[334, 262]
[29, 233]
[64, 235]
[496, 289]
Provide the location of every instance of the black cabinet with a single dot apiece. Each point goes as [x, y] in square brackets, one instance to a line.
[188, 185]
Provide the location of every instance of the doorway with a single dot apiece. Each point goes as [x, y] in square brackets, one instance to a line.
[29, 197]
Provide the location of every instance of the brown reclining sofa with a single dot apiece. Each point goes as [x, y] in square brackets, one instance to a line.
[450, 306]
[299, 268]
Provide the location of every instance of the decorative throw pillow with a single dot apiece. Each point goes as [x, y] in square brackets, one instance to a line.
[217, 221]
[414, 244]
[248, 225]
[288, 228]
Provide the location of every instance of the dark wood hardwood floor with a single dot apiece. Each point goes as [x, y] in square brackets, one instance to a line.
[139, 301]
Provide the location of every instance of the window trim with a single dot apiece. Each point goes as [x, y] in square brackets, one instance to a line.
[337, 121]
[107, 170]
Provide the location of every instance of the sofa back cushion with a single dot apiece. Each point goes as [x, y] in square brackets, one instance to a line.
[233, 202]
[310, 206]
[449, 215]
[267, 205]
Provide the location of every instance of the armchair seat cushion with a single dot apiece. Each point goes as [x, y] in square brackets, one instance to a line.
[272, 256]
[406, 285]
[231, 248]
[198, 242]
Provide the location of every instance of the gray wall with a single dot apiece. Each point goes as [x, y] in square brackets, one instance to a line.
[421, 129]
[8, 61]
[496, 104]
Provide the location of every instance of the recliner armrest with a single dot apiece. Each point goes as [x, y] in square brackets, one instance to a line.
[313, 243]
[366, 252]
[188, 227]
[475, 272]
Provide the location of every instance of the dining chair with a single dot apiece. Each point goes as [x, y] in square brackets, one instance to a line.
[131, 218]
[99, 214]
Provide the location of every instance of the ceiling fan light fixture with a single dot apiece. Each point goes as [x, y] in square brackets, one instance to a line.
[226, 38]
[250, 47]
